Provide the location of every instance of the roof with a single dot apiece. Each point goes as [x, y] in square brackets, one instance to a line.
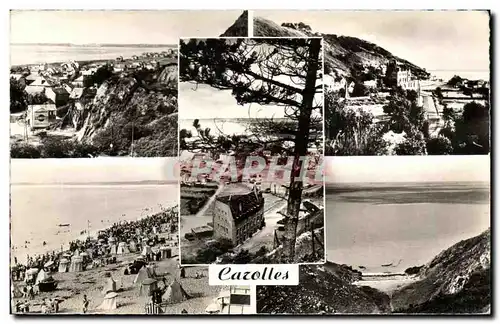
[41, 81]
[243, 205]
[202, 229]
[60, 91]
[76, 93]
[34, 89]
[47, 107]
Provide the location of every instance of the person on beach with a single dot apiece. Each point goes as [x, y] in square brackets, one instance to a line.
[85, 304]
[183, 272]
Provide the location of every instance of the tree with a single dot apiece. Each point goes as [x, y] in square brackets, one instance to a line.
[472, 130]
[350, 132]
[253, 69]
[18, 97]
[37, 98]
[455, 81]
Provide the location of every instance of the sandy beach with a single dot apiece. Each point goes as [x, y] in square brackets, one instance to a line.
[72, 286]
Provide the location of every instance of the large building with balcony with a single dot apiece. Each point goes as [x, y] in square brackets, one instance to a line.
[238, 213]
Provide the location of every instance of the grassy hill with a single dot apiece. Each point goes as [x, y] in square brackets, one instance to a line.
[344, 56]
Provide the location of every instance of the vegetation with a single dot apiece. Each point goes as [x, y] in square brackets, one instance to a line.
[18, 97]
[53, 148]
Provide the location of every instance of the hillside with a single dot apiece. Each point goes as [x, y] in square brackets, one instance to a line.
[322, 289]
[141, 105]
[344, 56]
[239, 28]
[455, 281]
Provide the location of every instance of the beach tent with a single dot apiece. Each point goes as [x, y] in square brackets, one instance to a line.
[143, 274]
[148, 285]
[109, 286]
[122, 248]
[76, 264]
[63, 265]
[113, 249]
[175, 293]
[42, 275]
[109, 302]
[132, 247]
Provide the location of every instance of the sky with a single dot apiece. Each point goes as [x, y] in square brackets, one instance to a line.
[51, 171]
[205, 102]
[117, 27]
[408, 168]
[435, 40]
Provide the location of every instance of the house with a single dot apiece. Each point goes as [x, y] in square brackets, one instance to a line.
[117, 68]
[238, 213]
[40, 116]
[58, 95]
[406, 80]
[79, 82]
[371, 84]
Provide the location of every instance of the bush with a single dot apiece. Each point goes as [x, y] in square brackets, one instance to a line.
[25, 151]
[439, 146]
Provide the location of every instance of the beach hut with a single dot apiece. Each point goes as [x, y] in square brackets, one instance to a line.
[76, 264]
[148, 285]
[122, 248]
[109, 286]
[109, 302]
[175, 293]
[132, 247]
[113, 248]
[143, 274]
[63, 265]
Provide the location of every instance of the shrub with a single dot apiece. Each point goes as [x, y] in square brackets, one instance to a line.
[439, 146]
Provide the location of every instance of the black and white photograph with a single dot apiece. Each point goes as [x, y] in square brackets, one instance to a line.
[87, 83]
[100, 236]
[408, 235]
[251, 148]
[398, 82]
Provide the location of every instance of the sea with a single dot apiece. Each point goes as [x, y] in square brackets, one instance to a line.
[43, 53]
[38, 210]
[387, 228]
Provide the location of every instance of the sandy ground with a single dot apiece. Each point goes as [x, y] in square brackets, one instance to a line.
[72, 287]
[387, 284]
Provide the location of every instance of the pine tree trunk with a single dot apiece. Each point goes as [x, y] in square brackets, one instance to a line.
[301, 143]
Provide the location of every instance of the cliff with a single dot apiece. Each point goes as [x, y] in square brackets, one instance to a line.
[344, 56]
[239, 27]
[458, 280]
[141, 105]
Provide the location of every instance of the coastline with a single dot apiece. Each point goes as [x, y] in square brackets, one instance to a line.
[21, 255]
